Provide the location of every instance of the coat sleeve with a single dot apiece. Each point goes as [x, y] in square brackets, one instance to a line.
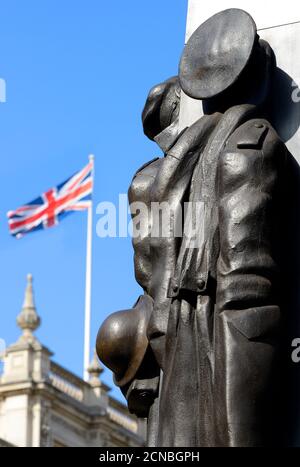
[247, 303]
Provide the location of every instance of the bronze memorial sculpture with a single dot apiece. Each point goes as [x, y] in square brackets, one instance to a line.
[205, 353]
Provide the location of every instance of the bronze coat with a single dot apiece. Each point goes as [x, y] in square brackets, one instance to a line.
[221, 309]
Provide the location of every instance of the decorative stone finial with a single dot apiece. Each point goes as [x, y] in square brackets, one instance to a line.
[28, 319]
[94, 370]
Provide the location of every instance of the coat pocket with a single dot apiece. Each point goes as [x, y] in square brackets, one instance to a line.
[254, 323]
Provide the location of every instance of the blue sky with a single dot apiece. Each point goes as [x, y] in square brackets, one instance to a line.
[77, 75]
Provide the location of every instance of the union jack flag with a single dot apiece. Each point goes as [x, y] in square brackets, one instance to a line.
[47, 210]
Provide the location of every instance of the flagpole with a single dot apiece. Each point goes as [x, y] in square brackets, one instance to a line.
[88, 283]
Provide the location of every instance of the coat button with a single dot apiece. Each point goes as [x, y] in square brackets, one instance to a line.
[200, 284]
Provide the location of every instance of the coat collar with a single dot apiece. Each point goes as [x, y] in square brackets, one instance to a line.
[167, 138]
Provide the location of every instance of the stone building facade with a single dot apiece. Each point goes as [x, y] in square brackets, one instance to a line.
[44, 404]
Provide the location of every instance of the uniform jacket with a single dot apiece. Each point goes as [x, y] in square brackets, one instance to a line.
[245, 181]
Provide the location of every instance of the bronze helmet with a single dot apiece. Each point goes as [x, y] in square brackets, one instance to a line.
[122, 342]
